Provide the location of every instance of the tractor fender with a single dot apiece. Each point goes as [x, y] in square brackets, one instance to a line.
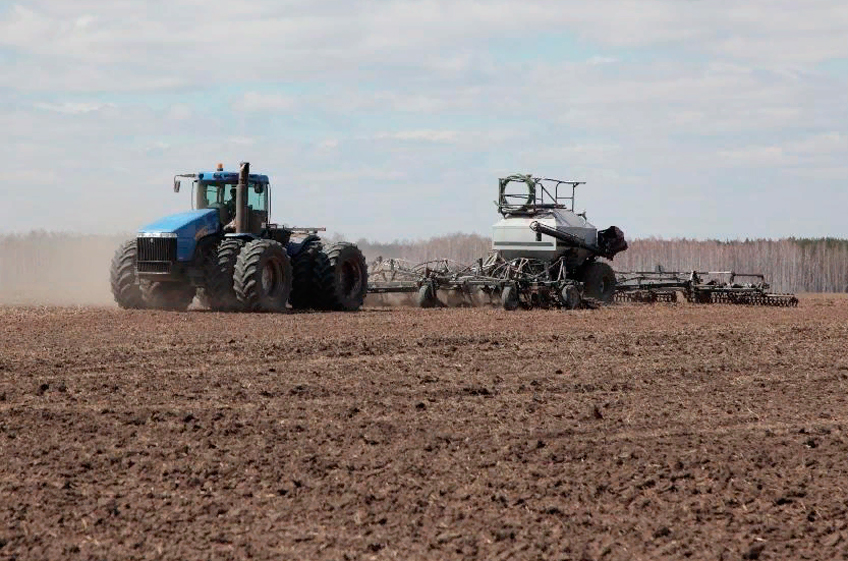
[246, 237]
[204, 243]
[294, 247]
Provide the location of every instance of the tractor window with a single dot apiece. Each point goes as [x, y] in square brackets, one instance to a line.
[211, 194]
[223, 195]
[218, 194]
[257, 201]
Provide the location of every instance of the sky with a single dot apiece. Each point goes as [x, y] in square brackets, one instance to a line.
[390, 119]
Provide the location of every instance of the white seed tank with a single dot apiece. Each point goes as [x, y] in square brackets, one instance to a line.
[524, 200]
[513, 238]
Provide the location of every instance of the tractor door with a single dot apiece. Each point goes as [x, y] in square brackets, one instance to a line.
[257, 207]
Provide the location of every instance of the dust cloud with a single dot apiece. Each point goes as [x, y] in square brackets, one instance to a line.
[55, 269]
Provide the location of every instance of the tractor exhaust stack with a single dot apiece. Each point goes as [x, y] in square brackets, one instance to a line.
[242, 217]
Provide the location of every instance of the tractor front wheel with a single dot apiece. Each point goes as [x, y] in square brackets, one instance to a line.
[123, 279]
[263, 276]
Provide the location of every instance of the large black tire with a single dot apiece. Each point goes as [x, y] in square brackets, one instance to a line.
[599, 281]
[219, 266]
[263, 276]
[427, 296]
[509, 298]
[123, 278]
[570, 297]
[172, 296]
[347, 278]
[311, 276]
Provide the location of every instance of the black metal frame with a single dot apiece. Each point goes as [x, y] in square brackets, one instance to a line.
[543, 193]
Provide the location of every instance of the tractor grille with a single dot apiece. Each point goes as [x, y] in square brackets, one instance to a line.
[154, 267]
[155, 255]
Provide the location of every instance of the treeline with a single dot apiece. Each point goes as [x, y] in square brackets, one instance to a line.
[464, 248]
[54, 268]
[790, 265]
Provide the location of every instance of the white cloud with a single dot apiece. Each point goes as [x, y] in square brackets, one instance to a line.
[70, 108]
[242, 141]
[818, 151]
[255, 101]
[180, 112]
[755, 156]
[127, 48]
[596, 60]
[442, 136]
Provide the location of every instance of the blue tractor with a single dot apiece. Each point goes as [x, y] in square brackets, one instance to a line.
[227, 253]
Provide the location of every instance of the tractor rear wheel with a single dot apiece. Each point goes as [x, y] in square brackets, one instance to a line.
[122, 277]
[599, 281]
[263, 276]
[173, 296]
[219, 266]
[310, 277]
[346, 278]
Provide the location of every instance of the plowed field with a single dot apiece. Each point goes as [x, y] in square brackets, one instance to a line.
[634, 432]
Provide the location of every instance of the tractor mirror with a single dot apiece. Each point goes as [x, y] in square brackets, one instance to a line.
[176, 185]
[259, 188]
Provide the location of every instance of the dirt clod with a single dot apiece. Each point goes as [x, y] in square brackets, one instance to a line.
[754, 551]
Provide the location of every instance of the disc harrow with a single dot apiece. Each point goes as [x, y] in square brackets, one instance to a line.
[522, 282]
[532, 283]
[699, 287]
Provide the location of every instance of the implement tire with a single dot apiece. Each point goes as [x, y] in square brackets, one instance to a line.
[570, 297]
[346, 279]
[427, 296]
[510, 298]
[263, 276]
[123, 278]
[172, 296]
[310, 277]
[599, 281]
[218, 269]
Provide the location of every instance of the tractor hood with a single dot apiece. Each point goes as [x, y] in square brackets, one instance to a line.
[187, 227]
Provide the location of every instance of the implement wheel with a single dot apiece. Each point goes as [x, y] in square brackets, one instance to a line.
[509, 298]
[427, 296]
[263, 277]
[599, 281]
[570, 297]
[123, 279]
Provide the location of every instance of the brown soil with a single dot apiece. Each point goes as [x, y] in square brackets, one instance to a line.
[636, 432]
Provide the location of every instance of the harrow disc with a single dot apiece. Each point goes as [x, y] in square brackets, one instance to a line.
[745, 298]
[646, 296]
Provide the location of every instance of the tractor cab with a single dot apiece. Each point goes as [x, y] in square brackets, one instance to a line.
[219, 189]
